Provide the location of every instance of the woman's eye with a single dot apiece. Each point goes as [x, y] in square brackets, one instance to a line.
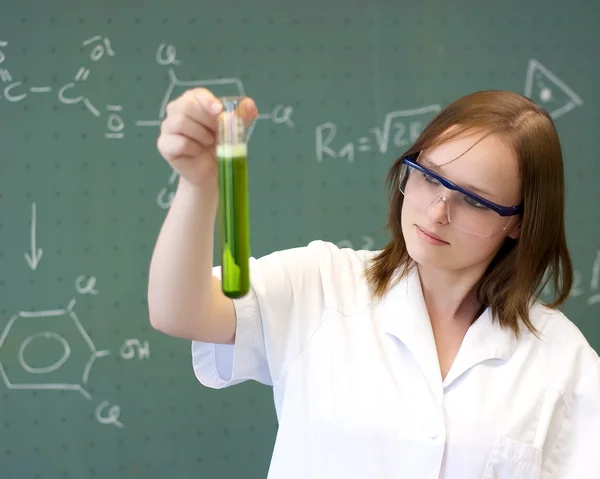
[430, 179]
[474, 203]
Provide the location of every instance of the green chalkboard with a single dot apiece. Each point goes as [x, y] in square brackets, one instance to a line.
[87, 388]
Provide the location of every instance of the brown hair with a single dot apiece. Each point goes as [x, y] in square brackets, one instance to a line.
[523, 266]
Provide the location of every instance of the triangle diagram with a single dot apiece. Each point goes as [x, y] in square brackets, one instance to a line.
[549, 91]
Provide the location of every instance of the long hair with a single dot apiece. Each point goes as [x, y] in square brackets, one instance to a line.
[522, 267]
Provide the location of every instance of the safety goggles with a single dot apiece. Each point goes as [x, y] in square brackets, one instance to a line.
[465, 210]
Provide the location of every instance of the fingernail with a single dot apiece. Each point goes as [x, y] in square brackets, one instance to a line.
[249, 106]
[215, 107]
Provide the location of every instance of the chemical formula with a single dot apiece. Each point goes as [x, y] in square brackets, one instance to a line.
[72, 93]
[281, 115]
[52, 350]
[28, 329]
[402, 127]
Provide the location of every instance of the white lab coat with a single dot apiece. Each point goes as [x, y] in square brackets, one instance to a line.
[358, 391]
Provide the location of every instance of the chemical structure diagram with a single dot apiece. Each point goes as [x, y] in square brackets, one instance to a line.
[280, 115]
[50, 350]
[17, 91]
[53, 320]
[99, 46]
[166, 55]
[30, 336]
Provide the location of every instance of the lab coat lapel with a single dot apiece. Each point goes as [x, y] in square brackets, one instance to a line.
[404, 315]
[485, 340]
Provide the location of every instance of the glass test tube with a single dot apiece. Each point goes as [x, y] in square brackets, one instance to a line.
[234, 223]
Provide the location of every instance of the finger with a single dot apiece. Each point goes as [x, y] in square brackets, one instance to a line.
[248, 111]
[198, 105]
[176, 146]
[181, 124]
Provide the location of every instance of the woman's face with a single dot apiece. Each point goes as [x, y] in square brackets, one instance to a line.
[490, 169]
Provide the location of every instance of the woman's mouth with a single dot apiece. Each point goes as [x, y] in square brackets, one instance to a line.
[430, 237]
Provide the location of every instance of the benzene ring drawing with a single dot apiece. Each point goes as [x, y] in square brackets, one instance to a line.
[32, 337]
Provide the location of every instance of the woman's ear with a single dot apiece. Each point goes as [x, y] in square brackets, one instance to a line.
[515, 230]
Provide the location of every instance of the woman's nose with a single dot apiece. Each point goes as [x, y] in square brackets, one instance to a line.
[439, 210]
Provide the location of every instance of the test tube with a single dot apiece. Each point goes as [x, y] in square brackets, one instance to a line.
[232, 154]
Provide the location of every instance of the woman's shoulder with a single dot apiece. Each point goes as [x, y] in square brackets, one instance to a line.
[334, 256]
[567, 352]
[341, 272]
[557, 330]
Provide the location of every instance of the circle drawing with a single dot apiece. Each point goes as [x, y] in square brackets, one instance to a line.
[52, 367]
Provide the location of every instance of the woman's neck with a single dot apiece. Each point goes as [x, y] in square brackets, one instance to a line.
[451, 295]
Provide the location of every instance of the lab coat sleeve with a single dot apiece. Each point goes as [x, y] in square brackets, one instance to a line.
[575, 453]
[273, 321]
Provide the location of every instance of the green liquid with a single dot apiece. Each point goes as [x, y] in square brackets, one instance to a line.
[234, 225]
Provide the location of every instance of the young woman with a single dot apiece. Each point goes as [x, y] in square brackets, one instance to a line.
[432, 358]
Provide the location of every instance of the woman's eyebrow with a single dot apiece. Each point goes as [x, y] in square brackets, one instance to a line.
[425, 161]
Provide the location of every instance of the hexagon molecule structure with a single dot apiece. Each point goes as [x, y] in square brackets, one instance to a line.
[63, 356]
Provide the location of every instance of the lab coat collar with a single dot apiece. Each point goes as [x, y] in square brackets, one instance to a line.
[404, 315]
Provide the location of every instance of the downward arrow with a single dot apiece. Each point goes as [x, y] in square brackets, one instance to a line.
[34, 257]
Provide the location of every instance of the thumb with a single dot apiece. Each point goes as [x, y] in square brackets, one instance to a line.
[248, 111]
